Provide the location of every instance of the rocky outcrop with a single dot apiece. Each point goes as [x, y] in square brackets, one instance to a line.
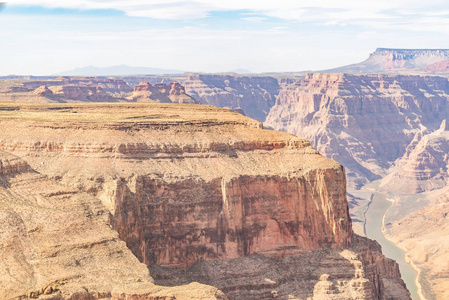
[254, 94]
[195, 186]
[365, 122]
[43, 91]
[161, 93]
[385, 60]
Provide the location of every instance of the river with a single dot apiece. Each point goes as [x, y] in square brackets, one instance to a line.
[373, 229]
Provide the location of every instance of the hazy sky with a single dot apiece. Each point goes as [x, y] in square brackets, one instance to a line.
[42, 37]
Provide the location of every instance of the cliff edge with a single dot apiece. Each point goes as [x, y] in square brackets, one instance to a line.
[188, 186]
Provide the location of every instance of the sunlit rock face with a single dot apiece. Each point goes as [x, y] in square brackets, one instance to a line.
[190, 186]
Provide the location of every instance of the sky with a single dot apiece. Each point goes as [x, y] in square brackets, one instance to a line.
[43, 37]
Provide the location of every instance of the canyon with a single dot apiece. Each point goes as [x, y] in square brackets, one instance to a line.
[216, 173]
[196, 193]
[389, 129]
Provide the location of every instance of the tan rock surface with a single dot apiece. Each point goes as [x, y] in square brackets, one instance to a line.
[57, 241]
[188, 184]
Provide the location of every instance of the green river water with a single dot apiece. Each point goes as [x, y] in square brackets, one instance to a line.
[373, 230]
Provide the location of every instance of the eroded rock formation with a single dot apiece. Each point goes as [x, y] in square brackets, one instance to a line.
[161, 92]
[424, 166]
[196, 186]
[365, 122]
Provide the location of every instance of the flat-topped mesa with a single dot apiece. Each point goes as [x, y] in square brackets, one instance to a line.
[161, 93]
[218, 189]
[202, 183]
[392, 60]
[112, 85]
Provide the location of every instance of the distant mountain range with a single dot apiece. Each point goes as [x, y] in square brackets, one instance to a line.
[385, 60]
[127, 70]
[117, 70]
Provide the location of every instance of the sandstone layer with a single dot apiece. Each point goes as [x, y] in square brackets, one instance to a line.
[187, 185]
[365, 122]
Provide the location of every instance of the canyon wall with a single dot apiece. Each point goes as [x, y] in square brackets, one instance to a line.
[424, 166]
[254, 94]
[189, 186]
[365, 122]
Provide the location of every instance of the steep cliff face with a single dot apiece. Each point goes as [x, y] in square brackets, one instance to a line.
[364, 122]
[385, 60]
[255, 95]
[188, 186]
[161, 92]
[193, 220]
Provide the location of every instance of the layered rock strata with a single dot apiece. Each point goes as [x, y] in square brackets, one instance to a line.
[424, 166]
[364, 122]
[161, 92]
[187, 184]
[65, 89]
[254, 94]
